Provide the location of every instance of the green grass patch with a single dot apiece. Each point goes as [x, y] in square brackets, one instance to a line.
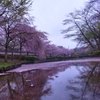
[3, 64]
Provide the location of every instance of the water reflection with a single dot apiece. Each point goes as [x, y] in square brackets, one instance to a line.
[27, 85]
[77, 81]
[86, 86]
[23, 86]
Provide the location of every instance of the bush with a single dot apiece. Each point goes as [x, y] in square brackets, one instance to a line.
[29, 58]
[96, 54]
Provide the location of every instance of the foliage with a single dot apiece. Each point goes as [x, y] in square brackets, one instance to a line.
[13, 12]
[29, 58]
[17, 31]
[84, 25]
[52, 50]
[96, 54]
[18, 35]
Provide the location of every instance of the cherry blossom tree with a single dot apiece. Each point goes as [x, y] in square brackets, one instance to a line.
[52, 51]
[34, 43]
[29, 39]
[13, 12]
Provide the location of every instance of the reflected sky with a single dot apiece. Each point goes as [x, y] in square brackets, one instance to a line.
[59, 83]
[76, 81]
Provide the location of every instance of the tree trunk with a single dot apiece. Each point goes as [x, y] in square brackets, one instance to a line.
[6, 53]
[6, 46]
[13, 51]
[27, 53]
[20, 55]
[12, 58]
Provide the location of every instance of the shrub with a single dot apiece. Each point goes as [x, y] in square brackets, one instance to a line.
[96, 54]
[29, 58]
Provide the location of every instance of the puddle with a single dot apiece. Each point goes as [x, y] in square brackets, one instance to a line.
[77, 81]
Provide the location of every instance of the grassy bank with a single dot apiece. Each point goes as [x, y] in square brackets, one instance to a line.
[3, 64]
[11, 64]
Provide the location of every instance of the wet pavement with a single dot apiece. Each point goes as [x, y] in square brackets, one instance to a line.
[53, 81]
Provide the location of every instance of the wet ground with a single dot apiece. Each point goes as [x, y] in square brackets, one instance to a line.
[65, 80]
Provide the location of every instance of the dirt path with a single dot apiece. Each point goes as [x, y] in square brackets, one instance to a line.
[47, 65]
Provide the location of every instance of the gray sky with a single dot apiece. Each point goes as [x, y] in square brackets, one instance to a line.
[49, 15]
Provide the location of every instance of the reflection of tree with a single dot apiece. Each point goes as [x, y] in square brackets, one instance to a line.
[33, 83]
[25, 86]
[86, 86]
[30, 85]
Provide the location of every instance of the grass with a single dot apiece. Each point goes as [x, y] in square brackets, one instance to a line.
[3, 64]
[9, 63]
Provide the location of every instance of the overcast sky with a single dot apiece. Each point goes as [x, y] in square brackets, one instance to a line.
[49, 16]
